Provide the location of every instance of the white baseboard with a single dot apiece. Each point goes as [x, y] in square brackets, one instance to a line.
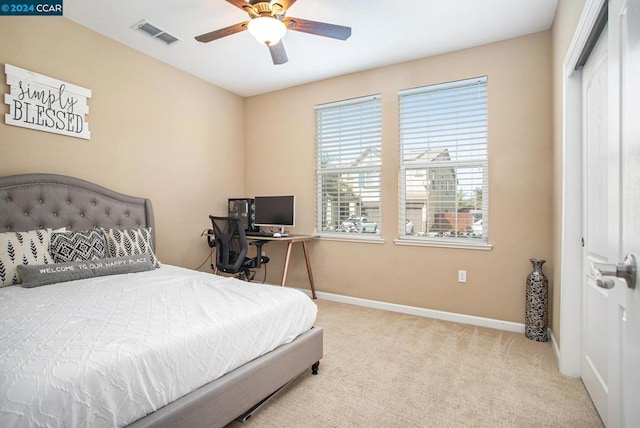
[554, 345]
[513, 327]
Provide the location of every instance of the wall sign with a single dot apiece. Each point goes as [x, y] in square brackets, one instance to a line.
[46, 104]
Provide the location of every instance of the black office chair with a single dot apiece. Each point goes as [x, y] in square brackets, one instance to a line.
[232, 247]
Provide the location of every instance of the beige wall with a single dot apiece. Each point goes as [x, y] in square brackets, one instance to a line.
[180, 140]
[564, 25]
[155, 131]
[280, 159]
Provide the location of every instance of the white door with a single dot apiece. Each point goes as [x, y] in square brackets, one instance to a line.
[627, 20]
[611, 132]
[596, 215]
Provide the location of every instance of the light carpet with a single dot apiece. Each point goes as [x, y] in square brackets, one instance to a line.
[385, 369]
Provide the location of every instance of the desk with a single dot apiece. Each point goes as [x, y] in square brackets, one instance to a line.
[290, 240]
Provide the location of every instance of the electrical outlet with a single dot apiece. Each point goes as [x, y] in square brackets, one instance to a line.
[462, 276]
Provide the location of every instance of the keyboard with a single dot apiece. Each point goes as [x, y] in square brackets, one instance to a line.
[263, 233]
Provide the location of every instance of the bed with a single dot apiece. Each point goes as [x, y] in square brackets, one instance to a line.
[129, 314]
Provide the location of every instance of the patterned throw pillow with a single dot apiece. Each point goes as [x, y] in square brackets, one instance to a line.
[78, 246]
[22, 248]
[129, 242]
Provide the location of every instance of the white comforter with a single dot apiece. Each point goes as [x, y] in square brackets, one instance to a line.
[107, 351]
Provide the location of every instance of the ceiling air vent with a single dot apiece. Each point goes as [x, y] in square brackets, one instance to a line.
[155, 32]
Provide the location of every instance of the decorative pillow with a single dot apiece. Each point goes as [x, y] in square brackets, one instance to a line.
[129, 242]
[22, 248]
[34, 275]
[77, 246]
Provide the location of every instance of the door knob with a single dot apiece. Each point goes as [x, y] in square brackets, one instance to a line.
[626, 270]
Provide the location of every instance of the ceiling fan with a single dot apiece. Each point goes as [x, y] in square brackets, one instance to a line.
[268, 25]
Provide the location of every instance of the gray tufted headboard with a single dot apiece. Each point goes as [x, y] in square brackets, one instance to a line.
[38, 201]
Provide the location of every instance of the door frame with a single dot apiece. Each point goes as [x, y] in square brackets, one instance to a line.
[571, 269]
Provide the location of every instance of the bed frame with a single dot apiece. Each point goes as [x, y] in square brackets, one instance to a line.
[38, 201]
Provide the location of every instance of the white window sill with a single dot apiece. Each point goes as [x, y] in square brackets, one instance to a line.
[444, 244]
[352, 237]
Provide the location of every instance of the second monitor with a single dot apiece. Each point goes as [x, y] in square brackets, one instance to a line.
[275, 211]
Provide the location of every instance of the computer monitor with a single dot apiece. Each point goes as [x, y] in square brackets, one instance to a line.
[275, 211]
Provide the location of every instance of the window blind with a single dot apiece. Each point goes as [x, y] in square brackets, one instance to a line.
[349, 163]
[444, 161]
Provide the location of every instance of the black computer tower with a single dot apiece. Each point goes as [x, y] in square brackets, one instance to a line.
[245, 209]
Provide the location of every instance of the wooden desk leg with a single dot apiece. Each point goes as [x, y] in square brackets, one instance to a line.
[306, 257]
[286, 263]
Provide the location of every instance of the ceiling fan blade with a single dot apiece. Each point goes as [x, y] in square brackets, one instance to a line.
[279, 7]
[318, 28]
[278, 54]
[223, 32]
[245, 6]
[285, 3]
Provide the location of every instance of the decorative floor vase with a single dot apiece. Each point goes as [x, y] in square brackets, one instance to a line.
[536, 308]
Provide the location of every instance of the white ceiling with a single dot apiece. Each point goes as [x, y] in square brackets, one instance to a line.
[384, 32]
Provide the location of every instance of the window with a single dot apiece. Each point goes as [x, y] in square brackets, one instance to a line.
[349, 164]
[443, 163]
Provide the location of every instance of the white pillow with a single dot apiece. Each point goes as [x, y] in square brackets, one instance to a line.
[22, 248]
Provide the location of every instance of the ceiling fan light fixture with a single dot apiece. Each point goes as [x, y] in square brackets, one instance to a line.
[267, 30]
